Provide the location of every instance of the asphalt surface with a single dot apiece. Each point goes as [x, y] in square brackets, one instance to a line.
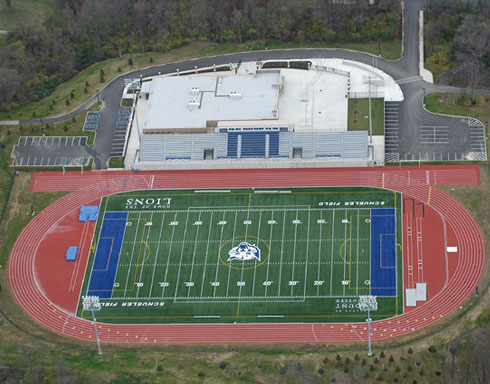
[451, 137]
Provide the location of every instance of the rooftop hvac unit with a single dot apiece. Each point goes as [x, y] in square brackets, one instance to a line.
[193, 104]
[235, 95]
[194, 90]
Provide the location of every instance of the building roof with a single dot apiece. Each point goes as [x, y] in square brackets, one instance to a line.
[191, 101]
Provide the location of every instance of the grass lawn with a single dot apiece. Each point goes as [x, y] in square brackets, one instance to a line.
[358, 115]
[28, 12]
[116, 162]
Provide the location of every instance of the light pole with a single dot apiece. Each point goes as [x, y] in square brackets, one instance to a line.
[368, 303]
[91, 303]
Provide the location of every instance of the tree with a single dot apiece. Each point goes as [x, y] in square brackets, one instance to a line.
[9, 4]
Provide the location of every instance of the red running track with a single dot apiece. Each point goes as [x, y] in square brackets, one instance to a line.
[90, 187]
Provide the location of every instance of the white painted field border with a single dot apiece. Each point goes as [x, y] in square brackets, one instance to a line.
[212, 191]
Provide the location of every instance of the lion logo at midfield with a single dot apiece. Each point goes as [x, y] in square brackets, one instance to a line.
[244, 251]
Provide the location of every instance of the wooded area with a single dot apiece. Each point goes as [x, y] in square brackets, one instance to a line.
[35, 60]
[457, 37]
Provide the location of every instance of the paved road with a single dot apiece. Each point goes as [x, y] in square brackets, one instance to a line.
[414, 121]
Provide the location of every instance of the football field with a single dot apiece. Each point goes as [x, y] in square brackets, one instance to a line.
[254, 255]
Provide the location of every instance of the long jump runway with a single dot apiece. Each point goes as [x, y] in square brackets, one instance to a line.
[457, 228]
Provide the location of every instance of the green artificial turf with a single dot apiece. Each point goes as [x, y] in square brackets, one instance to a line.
[314, 258]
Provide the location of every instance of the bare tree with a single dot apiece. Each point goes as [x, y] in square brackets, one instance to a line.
[9, 4]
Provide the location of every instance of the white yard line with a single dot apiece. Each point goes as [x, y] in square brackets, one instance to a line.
[270, 250]
[168, 256]
[229, 268]
[345, 250]
[294, 252]
[144, 252]
[331, 254]
[357, 266]
[217, 256]
[181, 255]
[194, 254]
[156, 255]
[132, 253]
[307, 252]
[282, 250]
[319, 254]
[207, 252]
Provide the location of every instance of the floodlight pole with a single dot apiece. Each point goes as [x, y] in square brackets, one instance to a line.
[96, 333]
[370, 352]
[370, 122]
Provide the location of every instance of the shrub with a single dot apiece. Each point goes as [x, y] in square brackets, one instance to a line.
[102, 72]
[299, 365]
[223, 364]
[130, 61]
[200, 374]
[86, 83]
[51, 107]
[347, 361]
[432, 349]
[180, 366]
[363, 362]
[282, 370]
[102, 79]
[65, 128]
[119, 69]
[67, 102]
[151, 59]
[338, 357]
[325, 360]
[321, 370]
[85, 90]
[73, 119]
[410, 350]
[397, 369]
[391, 359]
[421, 372]
[72, 94]
[382, 354]
[356, 357]
[376, 361]
[159, 368]
[371, 368]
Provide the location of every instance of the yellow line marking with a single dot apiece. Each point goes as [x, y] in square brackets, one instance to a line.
[383, 180]
[430, 191]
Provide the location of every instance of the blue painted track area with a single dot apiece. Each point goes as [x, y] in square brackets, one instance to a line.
[383, 252]
[107, 254]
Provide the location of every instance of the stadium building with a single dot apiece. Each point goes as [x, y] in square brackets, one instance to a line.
[257, 114]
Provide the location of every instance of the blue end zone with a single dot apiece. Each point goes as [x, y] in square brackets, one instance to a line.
[383, 252]
[107, 254]
[88, 212]
[71, 253]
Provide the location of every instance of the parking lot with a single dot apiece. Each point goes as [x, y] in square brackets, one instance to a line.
[48, 151]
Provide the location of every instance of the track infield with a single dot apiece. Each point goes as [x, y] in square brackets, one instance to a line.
[275, 255]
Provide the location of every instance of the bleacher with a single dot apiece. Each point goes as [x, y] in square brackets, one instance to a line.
[254, 144]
